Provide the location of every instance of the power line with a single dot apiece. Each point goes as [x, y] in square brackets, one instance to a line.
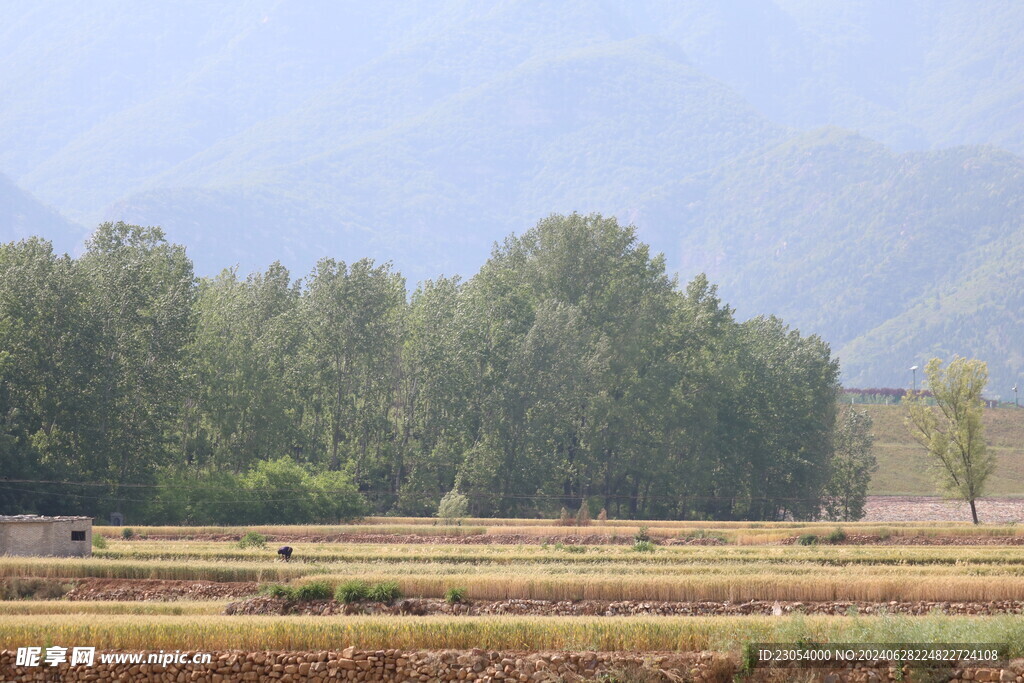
[388, 492]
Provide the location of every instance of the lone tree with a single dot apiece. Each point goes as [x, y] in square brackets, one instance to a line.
[952, 429]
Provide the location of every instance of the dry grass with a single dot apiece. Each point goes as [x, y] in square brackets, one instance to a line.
[609, 572]
[292, 530]
[47, 567]
[498, 554]
[742, 533]
[739, 587]
[212, 633]
[58, 607]
[736, 573]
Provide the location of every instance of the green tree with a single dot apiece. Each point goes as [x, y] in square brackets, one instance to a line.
[433, 409]
[240, 390]
[48, 364]
[567, 372]
[851, 468]
[453, 507]
[142, 293]
[777, 428]
[352, 317]
[952, 429]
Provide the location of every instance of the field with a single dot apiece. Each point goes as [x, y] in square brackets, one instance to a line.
[525, 586]
[903, 465]
[914, 572]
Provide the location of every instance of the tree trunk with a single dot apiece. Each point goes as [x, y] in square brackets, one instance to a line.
[974, 512]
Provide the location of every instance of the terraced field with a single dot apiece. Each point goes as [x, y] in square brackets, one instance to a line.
[523, 586]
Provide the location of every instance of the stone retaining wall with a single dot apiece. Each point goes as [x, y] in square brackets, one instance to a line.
[395, 665]
[480, 665]
[567, 608]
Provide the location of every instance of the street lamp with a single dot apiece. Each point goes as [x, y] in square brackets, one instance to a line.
[1015, 396]
[913, 369]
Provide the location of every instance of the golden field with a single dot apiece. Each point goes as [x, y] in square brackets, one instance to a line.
[751, 561]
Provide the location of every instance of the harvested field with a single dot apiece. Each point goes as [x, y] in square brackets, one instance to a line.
[530, 633]
[204, 570]
[664, 533]
[856, 549]
[708, 588]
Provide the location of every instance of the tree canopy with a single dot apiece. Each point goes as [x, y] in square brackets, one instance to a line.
[570, 371]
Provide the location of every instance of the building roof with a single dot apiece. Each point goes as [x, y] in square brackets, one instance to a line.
[9, 519]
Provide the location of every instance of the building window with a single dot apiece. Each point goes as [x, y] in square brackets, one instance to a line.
[77, 535]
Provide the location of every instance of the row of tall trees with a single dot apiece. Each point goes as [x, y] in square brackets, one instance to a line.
[570, 368]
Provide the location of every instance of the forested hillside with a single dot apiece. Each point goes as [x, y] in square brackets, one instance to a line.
[891, 257]
[571, 369]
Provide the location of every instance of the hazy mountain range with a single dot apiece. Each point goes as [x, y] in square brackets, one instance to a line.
[853, 168]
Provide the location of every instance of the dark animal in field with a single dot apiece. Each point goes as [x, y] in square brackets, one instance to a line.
[285, 552]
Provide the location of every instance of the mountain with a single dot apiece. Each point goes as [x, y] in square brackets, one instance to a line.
[21, 216]
[426, 187]
[917, 74]
[891, 257]
[853, 168]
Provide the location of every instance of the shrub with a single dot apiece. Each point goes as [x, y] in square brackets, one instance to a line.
[253, 540]
[314, 590]
[32, 589]
[454, 595]
[127, 533]
[214, 498]
[808, 539]
[642, 535]
[99, 542]
[454, 506]
[276, 590]
[352, 591]
[386, 591]
[644, 547]
[574, 548]
[837, 536]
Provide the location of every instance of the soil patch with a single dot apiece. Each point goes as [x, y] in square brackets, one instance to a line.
[934, 509]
